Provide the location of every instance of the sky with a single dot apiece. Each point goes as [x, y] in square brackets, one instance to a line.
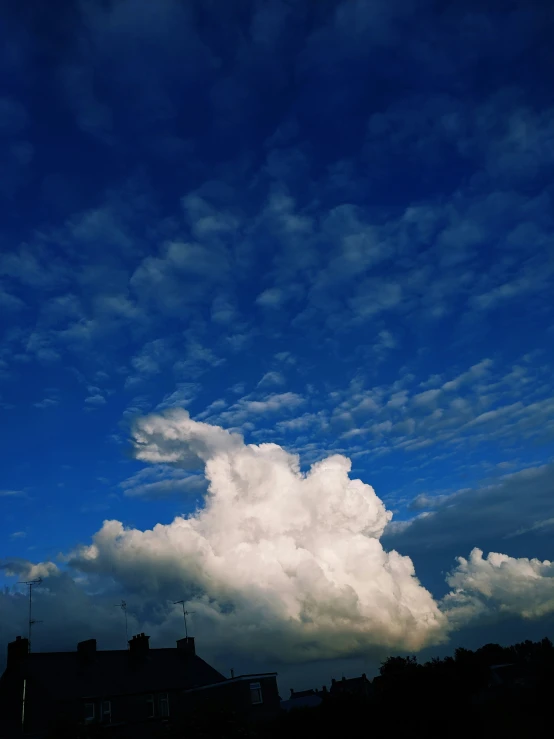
[277, 327]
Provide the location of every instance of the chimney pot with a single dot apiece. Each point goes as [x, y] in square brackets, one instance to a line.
[17, 651]
[139, 644]
[86, 647]
[186, 645]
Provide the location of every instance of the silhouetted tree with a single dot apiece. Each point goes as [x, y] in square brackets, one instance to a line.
[398, 666]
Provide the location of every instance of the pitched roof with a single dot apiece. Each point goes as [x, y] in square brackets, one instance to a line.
[304, 701]
[68, 675]
[302, 693]
[349, 684]
[238, 679]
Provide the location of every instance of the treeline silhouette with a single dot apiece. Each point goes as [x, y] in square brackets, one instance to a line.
[442, 697]
[492, 691]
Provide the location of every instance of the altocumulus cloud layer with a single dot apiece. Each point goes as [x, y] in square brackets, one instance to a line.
[288, 564]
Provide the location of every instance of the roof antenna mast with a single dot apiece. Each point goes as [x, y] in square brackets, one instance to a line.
[123, 606]
[32, 621]
[185, 614]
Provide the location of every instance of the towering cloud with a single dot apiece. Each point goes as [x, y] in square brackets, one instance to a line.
[279, 563]
[288, 560]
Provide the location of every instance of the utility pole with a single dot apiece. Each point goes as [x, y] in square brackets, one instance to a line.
[123, 606]
[30, 583]
[185, 614]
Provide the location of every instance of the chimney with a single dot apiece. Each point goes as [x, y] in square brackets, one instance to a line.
[17, 651]
[343, 679]
[333, 681]
[139, 645]
[232, 673]
[186, 645]
[324, 689]
[291, 692]
[86, 648]
[363, 676]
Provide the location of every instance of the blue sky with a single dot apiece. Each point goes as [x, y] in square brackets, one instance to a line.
[323, 226]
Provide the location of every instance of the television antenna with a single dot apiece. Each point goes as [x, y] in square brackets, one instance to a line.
[32, 621]
[185, 614]
[123, 606]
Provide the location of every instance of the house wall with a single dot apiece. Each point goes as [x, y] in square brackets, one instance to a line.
[124, 709]
[130, 708]
[235, 696]
[10, 705]
[42, 710]
[38, 709]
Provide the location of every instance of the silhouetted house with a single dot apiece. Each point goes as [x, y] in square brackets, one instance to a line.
[254, 697]
[356, 686]
[303, 699]
[378, 684]
[135, 687]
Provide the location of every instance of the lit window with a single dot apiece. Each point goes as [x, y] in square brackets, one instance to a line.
[106, 711]
[164, 705]
[256, 693]
[89, 711]
[150, 713]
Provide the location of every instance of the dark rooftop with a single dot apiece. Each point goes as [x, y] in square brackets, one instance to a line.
[301, 693]
[338, 686]
[116, 672]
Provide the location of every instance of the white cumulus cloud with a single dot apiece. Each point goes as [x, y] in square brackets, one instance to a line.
[275, 552]
[280, 564]
[499, 584]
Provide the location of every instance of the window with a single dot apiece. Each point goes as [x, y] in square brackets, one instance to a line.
[106, 711]
[256, 693]
[89, 711]
[163, 705]
[150, 713]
